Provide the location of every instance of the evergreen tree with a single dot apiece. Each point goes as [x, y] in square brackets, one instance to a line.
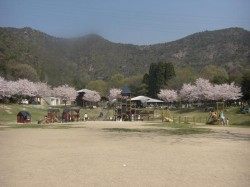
[158, 76]
[169, 71]
[245, 86]
[152, 79]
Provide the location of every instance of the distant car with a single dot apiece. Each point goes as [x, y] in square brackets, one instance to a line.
[24, 101]
[244, 111]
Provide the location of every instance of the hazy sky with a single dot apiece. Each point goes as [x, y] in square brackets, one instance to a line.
[126, 21]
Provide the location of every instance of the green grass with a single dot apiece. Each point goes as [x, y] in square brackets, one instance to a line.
[8, 113]
[235, 118]
[36, 126]
[171, 125]
[181, 131]
[33, 126]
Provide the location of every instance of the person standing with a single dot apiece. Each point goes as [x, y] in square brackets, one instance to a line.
[222, 118]
[85, 117]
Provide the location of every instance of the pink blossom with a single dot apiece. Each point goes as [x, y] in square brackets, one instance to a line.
[3, 88]
[25, 87]
[168, 95]
[91, 96]
[225, 92]
[187, 93]
[65, 92]
[204, 90]
[43, 89]
[114, 93]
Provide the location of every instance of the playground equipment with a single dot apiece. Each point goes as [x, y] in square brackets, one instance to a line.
[166, 116]
[23, 117]
[214, 117]
[127, 110]
[71, 114]
[66, 115]
[122, 107]
[54, 115]
[75, 114]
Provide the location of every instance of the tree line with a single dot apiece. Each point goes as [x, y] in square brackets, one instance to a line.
[154, 84]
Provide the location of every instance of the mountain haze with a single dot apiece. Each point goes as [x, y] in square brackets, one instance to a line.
[28, 53]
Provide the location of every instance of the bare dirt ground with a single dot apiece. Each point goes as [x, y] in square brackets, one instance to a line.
[91, 156]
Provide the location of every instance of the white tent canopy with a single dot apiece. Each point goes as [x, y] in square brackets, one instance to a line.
[144, 99]
[154, 101]
[82, 90]
[140, 98]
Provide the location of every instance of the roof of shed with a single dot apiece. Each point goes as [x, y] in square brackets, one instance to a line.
[125, 90]
[23, 113]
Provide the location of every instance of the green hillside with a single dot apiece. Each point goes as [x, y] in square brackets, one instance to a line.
[28, 53]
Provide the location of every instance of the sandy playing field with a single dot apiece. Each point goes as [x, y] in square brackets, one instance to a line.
[91, 156]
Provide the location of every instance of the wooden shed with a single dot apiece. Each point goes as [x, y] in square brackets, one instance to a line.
[23, 117]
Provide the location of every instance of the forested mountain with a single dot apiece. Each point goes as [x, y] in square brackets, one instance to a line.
[28, 53]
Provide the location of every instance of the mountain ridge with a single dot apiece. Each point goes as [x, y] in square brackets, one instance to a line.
[93, 57]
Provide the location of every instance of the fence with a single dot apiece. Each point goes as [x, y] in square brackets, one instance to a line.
[189, 119]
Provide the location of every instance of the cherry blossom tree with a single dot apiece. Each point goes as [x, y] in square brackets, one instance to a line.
[186, 92]
[25, 88]
[203, 90]
[114, 93]
[168, 95]
[3, 88]
[226, 92]
[11, 89]
[8, 89]
[91, 96]
[43, 89]
[65, 92]
[235, 92]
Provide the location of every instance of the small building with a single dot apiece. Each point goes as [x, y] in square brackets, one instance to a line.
[83, 103]
[53, 101]
[79, 100]
[23, 117]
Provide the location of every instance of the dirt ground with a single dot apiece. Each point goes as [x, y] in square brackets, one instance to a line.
[91, 156]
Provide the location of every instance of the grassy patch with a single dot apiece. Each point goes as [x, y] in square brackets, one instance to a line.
[8, 112]
[181, 131]
[235, 118]
[242, 124]
[188, 131]
[34, 126]
[171, 125]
